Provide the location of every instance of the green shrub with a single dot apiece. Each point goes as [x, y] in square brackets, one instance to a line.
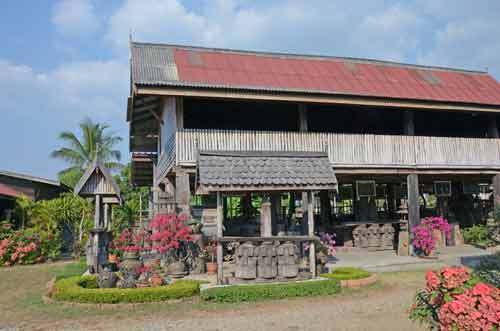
[239, 293]
[489, 269]
[476, 235]
[84, 290]
[346, 273]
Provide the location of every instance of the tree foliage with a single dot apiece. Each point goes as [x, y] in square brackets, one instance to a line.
[81, 152]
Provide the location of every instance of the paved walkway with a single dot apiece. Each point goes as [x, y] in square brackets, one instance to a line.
[382, 261]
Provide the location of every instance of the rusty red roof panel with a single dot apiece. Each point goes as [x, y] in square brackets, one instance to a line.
[9, 191]
[159, 64]
[333, 75]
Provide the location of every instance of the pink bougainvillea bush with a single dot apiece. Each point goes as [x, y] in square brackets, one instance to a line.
[326, 244]
[454, 300]
[169, 232]
[131, 241]
[423, 240]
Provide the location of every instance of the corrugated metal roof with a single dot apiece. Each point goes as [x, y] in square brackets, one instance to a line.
[251, 171]
[183, 66]
[8, 191]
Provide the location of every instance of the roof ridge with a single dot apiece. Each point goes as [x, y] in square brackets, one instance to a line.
[30, 177]
[310, 56]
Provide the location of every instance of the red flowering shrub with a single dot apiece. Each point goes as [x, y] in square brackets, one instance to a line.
[423, 239]
[169, 231]
[453, 300]
[24, 247]
[131, 241]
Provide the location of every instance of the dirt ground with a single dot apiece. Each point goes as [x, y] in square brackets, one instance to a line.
[380, 307]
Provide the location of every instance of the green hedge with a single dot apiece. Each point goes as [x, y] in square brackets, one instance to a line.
[239, 293]
[346, 273]
[84, 290]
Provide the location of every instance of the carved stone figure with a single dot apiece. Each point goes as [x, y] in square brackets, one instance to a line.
[373, 235]
[360, 236]
[288, 266]
[267, 264]
[387, 239]
[246, 261]
[106, 278]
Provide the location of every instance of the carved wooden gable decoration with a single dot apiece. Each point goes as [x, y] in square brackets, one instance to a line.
[97, 180]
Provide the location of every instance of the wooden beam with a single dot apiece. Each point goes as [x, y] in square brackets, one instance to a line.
[315, 98]
[220, 257]
[413, 204]
[310, 226]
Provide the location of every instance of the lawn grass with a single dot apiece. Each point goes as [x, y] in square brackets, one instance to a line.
[22, 288]
[346, 273]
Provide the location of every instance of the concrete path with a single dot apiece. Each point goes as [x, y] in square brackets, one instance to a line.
[383, 261]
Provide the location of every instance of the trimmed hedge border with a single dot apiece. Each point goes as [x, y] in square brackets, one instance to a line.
[256, 292]
[72, 290]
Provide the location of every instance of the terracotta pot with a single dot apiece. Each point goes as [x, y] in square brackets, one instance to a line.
[211, 268]
[112, 258]
[156, 280]
[130, 261]
[141, 285]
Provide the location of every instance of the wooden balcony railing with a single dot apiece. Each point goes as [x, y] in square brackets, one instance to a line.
[345, 150]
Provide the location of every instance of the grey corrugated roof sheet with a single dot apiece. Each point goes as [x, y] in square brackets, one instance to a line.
[264, 171]
[153, 64]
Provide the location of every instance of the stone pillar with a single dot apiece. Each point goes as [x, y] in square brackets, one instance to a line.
[182, 192]
[265, 218]
[413, 205]
[220, 255]
[310, 223]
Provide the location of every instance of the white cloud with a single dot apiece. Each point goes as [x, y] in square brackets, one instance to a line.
[75, 18]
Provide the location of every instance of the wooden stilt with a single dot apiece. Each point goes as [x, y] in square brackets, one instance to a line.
[220, 255]
[413, 205]
[310, 223]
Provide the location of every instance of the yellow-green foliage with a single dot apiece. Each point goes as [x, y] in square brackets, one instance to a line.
[239, 293]
[84, 290]
[346, 273]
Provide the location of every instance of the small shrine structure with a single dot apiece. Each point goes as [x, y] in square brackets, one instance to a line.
[98, 183]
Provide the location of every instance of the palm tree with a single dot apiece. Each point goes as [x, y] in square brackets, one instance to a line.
[80, 153]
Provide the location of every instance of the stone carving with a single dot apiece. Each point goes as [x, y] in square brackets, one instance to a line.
[288, 266]
[246, 261]
[373, 235]
[360, 236]
[387, 239]
[267, 266]
[106, 278]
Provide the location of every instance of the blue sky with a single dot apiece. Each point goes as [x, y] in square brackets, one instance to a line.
[63, 60]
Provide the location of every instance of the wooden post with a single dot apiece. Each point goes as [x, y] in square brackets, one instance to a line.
[182, 192]
[413, 205]
[275, 212]
[220, 257]
[409, 122]
[106, 215]
[265, 217]
[496, 191]
[97, 214]
[303, 125]
[326, 207]
[310, 225]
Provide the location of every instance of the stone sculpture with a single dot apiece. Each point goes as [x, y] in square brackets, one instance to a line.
[267, 266]
[360, 236]
[387, 239]
[246, 261]
[288, 266]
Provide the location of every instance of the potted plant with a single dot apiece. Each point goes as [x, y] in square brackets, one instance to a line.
[424, 239]
[209, 253]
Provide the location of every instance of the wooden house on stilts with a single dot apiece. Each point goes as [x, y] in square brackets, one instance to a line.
[268, 146]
